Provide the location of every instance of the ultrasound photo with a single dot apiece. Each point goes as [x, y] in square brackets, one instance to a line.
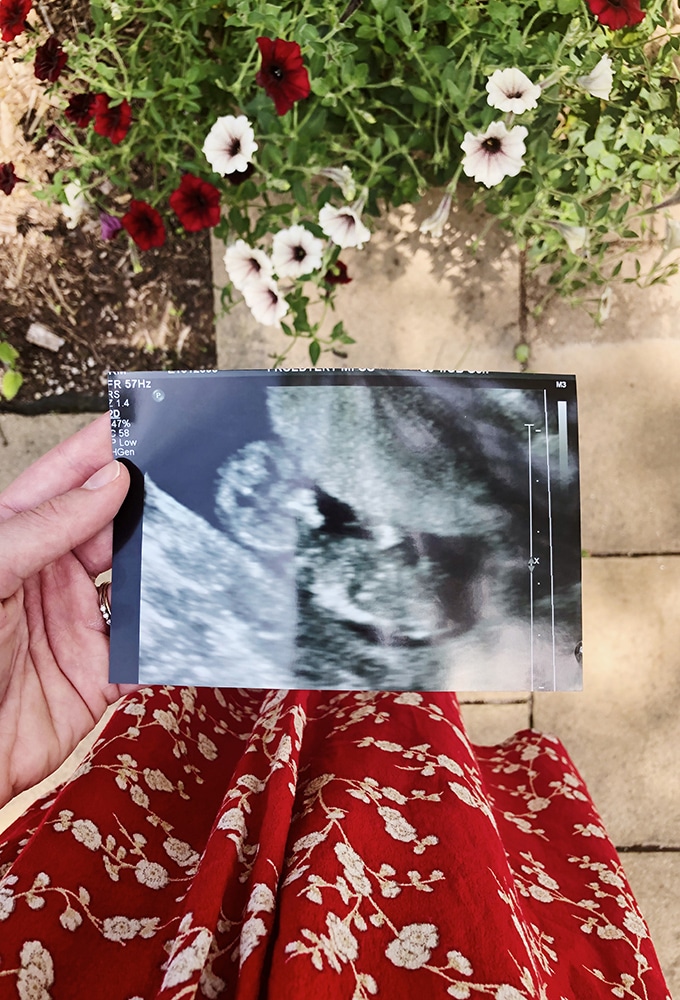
[347, 530]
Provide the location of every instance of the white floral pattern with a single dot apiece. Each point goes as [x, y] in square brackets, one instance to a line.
[339, 845]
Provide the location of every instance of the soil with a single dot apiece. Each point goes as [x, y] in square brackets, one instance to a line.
[110, 317]
[113, 307]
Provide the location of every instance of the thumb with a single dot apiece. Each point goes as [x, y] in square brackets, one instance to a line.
[32, 539]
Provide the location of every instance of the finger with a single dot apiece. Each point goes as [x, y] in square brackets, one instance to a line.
[33, 539]
[63, 468]
[96, 553]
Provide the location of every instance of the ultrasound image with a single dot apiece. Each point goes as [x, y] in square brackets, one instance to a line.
[375, 537]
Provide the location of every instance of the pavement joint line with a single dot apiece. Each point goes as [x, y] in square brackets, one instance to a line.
[493, 701]
[646, 849]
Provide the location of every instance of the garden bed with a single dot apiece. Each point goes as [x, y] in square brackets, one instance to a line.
[112, 307]
[109, 315]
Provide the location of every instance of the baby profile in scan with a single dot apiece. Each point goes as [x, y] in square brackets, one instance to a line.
[376, 539]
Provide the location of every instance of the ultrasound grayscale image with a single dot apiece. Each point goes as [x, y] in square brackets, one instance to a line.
[348, 530]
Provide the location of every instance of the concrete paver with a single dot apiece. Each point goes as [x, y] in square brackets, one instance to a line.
[23, 439]
[412, 303]
[488, 725]
[623, 730]
[655, 880]
[629, 417]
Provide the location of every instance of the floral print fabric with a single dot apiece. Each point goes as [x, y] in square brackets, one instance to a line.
[280, 844]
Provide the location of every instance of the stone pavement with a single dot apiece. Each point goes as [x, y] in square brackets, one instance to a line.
[416, 305]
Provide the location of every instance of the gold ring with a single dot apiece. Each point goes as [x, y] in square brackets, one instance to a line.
[103, 592]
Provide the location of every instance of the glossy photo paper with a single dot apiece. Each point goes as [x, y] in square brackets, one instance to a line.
[346, 529]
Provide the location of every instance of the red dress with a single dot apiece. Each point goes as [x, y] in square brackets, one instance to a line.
[254, 844]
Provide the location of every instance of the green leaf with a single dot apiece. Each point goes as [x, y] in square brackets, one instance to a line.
[11, 383]
[108, 72]
[669, 144]
[391, 136]
[403, 22]
[421, 94]
[314, 351]
[8, 354]
[594, 148]
[438, 54]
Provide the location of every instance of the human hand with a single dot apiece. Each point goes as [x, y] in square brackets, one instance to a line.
[55, 538]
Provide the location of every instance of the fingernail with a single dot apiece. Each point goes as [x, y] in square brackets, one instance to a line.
[103, 476]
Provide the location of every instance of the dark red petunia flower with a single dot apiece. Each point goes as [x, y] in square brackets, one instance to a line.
[144, 225]
[111, 122]
[50, 60]
[8, 179]
[617, 14]
[337, 274]
[282, 73]
[196, 203]
[80, 110]
[13, 14]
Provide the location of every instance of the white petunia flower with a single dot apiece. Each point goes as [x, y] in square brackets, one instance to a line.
[672, 239]
[342, 176]
[75, 205]
[434, 224]
[599, 81]
[605, 308]
[246, 264]
[230, 144]
[512, 90]
[576, 237]
[295, 251]
[492, 155]
[265, 302]
[343, 226]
